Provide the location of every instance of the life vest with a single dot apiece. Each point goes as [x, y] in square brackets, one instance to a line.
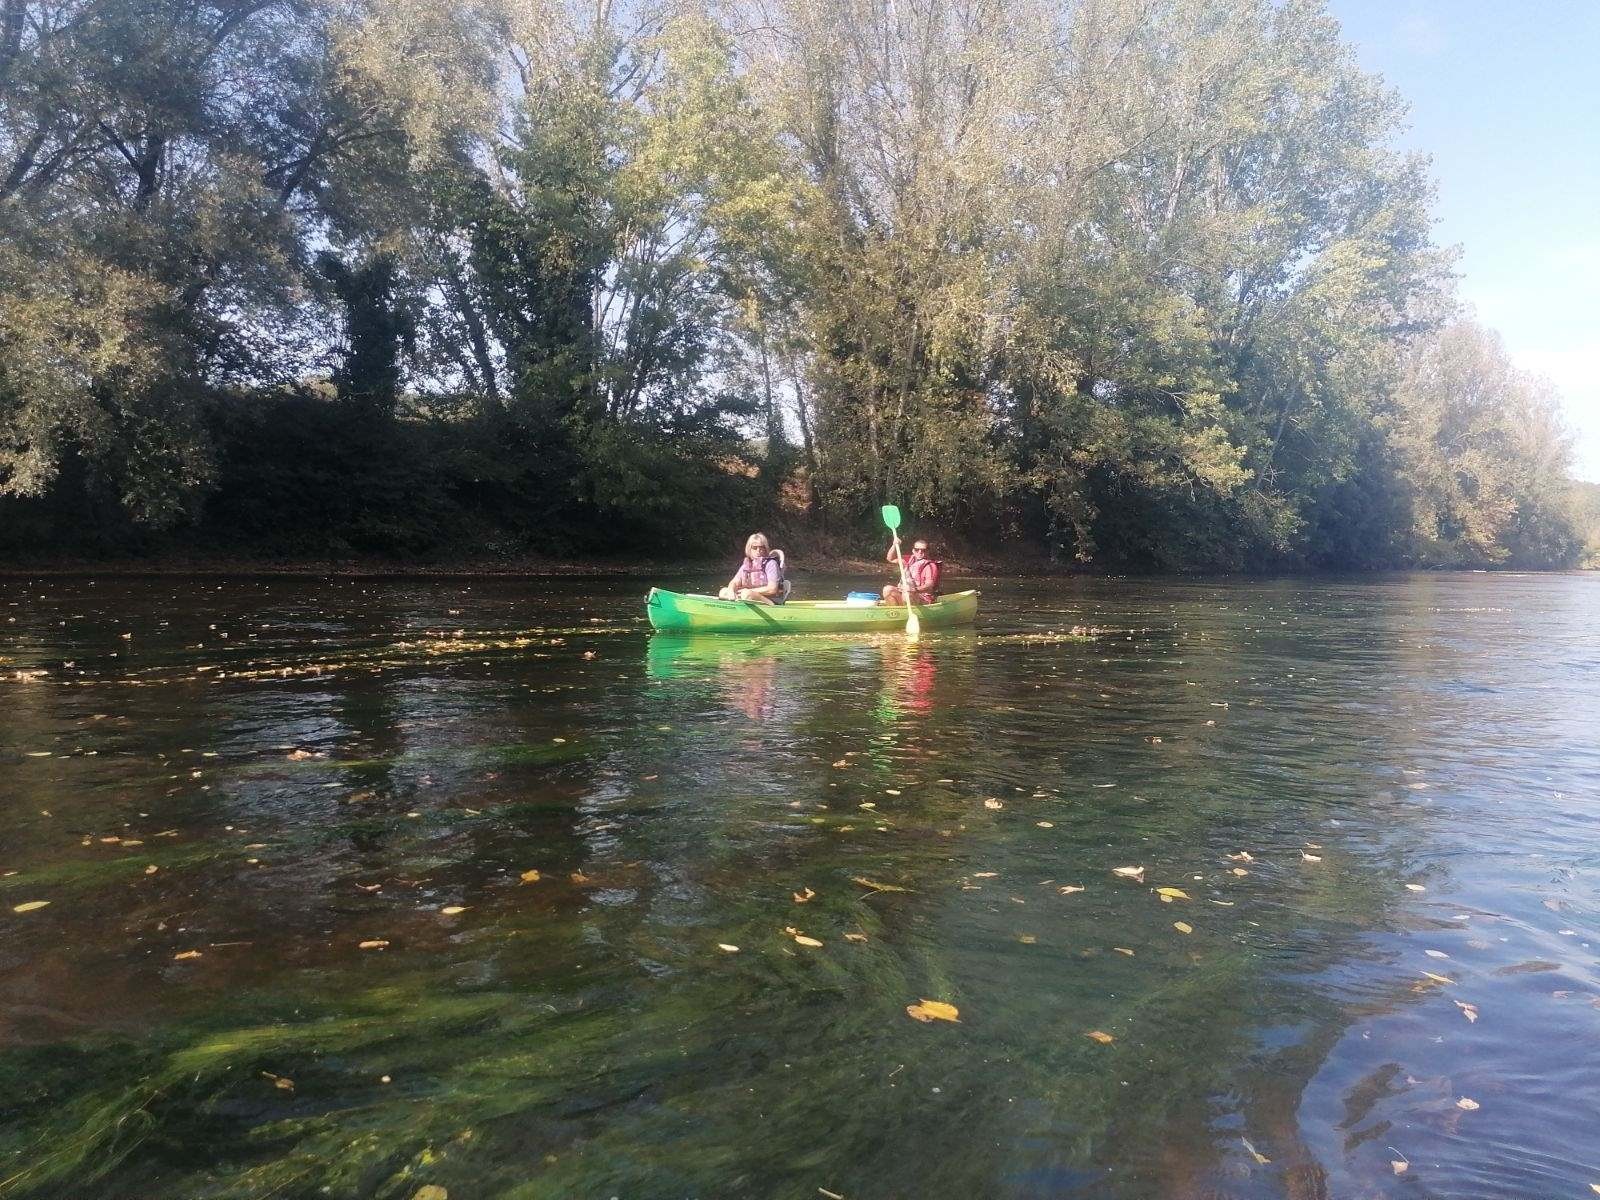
[753, 571]
[924, 576]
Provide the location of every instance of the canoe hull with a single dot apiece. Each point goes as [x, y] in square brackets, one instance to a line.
[677, 613]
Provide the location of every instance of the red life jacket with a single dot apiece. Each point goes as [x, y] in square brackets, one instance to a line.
[924, 576]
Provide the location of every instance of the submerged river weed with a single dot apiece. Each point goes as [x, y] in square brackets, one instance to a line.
[1251, 890]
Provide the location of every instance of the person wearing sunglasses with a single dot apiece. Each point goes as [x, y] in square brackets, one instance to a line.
[923, 573]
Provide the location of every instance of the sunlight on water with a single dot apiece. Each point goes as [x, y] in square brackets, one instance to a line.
[1139, 889]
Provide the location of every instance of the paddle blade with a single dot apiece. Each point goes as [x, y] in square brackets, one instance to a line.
[913, 626]
[891, 516]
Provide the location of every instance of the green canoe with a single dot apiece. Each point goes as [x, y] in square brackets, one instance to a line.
[706, 614]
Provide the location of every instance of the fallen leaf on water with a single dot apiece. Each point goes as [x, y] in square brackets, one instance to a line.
[802, 940]
[1171, 893]
[373, 944]
[29, 906]
[1099, 1035]
[1129, 872]
[822, 1191]
[1438, 978]
[1468, 1104]
[876, 886]
[992, 803]
[431, 1191]
[451, 910]
[1069, 889]
[1399, 1165]
[855, 937]
[282, 1082]
[1469, 1011]
[1027, 939]
[843, 762]
[1239, 871]
[1304, 857]
[1183, 927]
[1045, 824]
[151, 869]
[1254, 1153]
[891, 791]
[1415, 887]
[1123, 950]
[530, 877]
[727, 947]
[578, 877]
[1242, 856]
[1436, 954]
[933, 1010]
[804, 897]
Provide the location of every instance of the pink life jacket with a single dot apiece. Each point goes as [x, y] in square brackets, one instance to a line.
[924, 576]
[753, 571]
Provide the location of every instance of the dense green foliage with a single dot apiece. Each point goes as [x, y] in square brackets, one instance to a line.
[1140, 282]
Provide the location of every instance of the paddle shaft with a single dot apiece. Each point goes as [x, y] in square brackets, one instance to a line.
[913, 626]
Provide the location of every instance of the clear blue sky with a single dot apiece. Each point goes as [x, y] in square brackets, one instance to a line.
[1505, 97]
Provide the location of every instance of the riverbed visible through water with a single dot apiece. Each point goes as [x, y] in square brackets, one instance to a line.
[476, 889]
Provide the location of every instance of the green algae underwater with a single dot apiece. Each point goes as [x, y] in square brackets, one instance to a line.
[360, 889]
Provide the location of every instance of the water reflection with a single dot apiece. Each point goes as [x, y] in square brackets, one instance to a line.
[463, 872]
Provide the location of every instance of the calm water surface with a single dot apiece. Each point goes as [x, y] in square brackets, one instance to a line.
[292, 944]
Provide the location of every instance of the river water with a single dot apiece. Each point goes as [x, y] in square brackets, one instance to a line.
[360, 889]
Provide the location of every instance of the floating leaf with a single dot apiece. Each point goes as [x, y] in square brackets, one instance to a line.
[1469, 1011]
[1027, 939]
[1399, 1165]
[1183, 927]
[1468, 1104]
[1239, 871]
[802, 940]
[1242, 856]
[855, 937]
[1099, 1035]
[1172, 893]
[1254, 1153]
[1438, 978]
[1415, 887]
[1045, 824]
[530, 877]
[1136, 873]
[1068, 889]
[451, 910]
[804, 897]
[183, 955]
[29, 906]
[727, 947]
[1436, 954]
[991, 802]
[933, 1010]
[431, 1191]
[374, 944]
[1304, 857]
[1123, 950]
[876, 886]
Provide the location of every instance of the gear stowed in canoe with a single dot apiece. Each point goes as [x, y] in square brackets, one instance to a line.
[706, 614]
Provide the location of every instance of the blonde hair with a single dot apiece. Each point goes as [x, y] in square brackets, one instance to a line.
[765, 545]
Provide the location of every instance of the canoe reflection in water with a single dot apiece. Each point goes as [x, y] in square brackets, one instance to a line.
[762, 677]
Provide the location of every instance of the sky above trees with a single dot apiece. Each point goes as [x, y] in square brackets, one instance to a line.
[1506, 100]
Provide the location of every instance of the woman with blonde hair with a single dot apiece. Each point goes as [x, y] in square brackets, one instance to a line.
[759, 578]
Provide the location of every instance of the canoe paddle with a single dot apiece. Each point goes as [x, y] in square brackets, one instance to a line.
[891, 518]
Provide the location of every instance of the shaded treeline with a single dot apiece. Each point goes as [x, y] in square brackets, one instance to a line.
[1142, 281]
